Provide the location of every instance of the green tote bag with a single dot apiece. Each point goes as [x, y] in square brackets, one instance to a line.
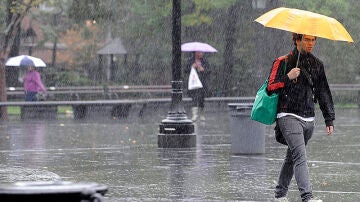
[264, 109]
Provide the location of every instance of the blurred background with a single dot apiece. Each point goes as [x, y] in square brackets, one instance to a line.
[128, 42]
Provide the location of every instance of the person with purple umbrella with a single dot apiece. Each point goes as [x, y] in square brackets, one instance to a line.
[201, 66]
[32, 81]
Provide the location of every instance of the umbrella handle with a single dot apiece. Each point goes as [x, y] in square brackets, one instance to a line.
[297, 65]
[298, 59]
[307, 76]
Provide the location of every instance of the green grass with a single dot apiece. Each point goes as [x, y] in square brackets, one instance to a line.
[346, 105]
[64, 109]
[15, 110]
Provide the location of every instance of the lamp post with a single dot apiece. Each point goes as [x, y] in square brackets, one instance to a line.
[176, 131]
[29, 39]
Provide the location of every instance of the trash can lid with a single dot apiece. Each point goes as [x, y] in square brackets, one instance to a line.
[240, 105]
[52, 187]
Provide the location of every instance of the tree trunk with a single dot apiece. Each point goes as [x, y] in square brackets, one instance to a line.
[230, 42]
[3, 97]
[54, 49]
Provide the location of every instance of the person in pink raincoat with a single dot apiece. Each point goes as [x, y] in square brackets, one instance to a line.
[32, 84]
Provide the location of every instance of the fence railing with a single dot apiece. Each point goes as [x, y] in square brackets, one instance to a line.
[78, 92]
[96, 89]
[123, 91]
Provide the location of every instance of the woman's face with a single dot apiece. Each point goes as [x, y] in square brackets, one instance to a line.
[198, 55]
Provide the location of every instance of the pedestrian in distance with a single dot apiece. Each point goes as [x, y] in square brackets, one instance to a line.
[198, 63]
[301, 82]
[32, 84]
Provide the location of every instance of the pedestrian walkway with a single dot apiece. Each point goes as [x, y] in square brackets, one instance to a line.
[123, 154]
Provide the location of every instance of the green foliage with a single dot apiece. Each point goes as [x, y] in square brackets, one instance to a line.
[3, 15]
[146, 31]
[325, 7]
[200, 10]
[67, 78]
[84, 10]
[152, 13]
[20, 6]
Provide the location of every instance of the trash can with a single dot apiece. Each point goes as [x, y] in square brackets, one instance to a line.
[54, 191]
[247, 136]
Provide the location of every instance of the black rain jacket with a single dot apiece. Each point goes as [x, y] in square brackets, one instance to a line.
[298, 97]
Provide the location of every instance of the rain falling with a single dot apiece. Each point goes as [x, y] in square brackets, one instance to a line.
[117, 108]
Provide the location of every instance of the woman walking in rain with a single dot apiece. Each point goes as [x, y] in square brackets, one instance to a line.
[32, 84]
[299, 88]
[201, 66]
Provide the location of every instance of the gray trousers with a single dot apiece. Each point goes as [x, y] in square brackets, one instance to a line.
[296, 133]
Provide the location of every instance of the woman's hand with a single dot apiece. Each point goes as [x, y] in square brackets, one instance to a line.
[198, 67]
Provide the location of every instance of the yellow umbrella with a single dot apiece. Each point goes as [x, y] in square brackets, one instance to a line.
[305, 22]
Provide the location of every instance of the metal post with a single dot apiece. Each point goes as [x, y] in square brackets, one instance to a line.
[176, 131]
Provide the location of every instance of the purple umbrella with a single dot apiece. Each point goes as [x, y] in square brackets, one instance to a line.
[197, 46]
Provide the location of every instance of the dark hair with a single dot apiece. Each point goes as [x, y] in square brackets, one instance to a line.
[296, 37]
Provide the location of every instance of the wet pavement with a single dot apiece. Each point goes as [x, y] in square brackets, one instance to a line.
[123, 154]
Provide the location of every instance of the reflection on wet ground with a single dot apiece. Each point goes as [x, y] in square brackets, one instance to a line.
[123, 155]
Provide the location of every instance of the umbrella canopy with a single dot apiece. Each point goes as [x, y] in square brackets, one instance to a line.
[305, 22]
[197, 46]
[25, 60]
